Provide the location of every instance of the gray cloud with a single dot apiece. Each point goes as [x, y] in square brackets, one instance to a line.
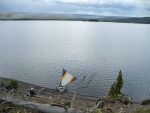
[97, 7]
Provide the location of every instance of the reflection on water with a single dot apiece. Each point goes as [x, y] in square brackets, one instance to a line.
[36, 52]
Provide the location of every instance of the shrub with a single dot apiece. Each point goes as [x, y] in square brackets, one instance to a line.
[115, 90]
[126, 100]
[66, 103]
[13, 83]
[145, 102]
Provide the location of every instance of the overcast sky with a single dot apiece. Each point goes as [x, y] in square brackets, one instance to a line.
[130, 8]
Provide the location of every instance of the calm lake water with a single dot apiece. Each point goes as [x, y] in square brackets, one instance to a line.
[36, 51]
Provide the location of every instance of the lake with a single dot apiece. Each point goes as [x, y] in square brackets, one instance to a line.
[36, 51]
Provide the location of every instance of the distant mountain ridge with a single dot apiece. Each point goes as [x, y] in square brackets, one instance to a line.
[71, 17]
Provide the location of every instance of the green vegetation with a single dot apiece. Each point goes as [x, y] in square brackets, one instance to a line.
[126, 100]
[97, 111]
[115, 90]
[61, 102]
[13, 83]
[143, 109]
[115, 93]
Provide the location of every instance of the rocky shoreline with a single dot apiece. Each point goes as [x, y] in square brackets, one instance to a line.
[48, 97]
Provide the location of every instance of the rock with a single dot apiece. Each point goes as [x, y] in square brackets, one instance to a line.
[145, 102]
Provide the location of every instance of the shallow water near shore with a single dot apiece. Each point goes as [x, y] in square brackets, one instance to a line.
[36, 51]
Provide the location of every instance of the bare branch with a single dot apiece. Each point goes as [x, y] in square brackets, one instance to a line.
[4, 102]
[92, 109]
[59, 96]
[14, 92]
[74, 95]
[77, 87]
[73, 99]
[88, 82]
[21, 95]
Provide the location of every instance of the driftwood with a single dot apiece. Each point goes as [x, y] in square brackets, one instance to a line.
[60, 105]
[4, 102]
[96, 106]
[13, 93]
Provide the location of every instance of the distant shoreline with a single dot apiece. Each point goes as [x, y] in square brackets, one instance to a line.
[132, 22]
[71, 17]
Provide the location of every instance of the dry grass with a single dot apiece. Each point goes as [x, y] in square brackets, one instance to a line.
[143, 109]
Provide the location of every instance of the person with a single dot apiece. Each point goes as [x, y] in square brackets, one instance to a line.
[32, 92]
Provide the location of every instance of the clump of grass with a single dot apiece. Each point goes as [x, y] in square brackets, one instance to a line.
[97, 111]
[121, 98]
[109, 99]
[61, 102]
[43, 101]
[143, 110]
[83, 109]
